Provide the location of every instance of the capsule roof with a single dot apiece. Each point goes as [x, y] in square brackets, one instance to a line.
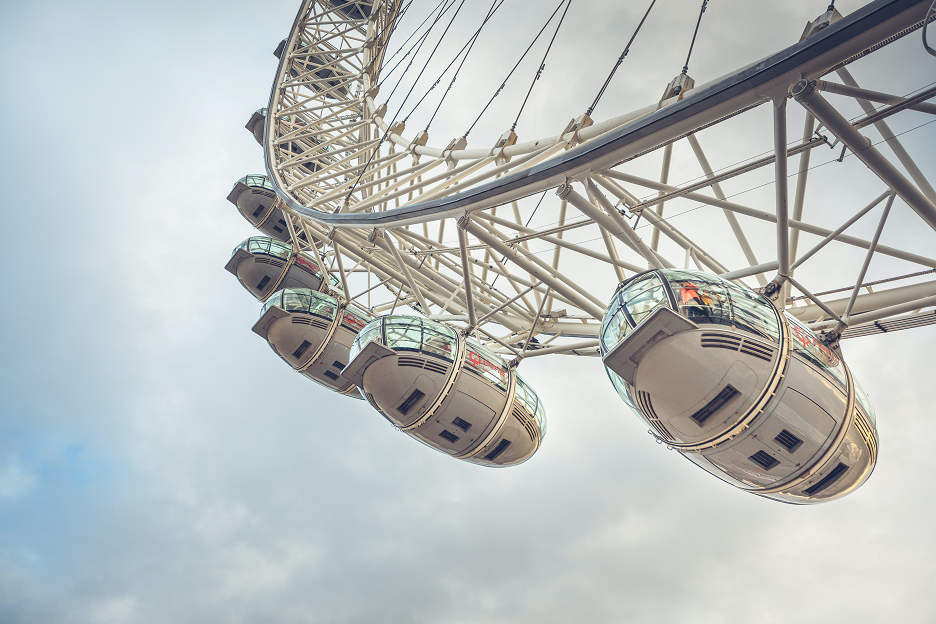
[257, 180]
[701, 297]
[272, 247]
[305, 301]
[410, 333]
[302, 301]
[265, 245]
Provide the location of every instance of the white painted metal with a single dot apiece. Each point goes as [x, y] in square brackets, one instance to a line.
[345, 168]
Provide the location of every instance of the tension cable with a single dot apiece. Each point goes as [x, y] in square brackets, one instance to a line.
[417, 45]
[471, 43]
[410, 92]
[619, 61]
[504, 84]
[467, 45]
[685, 69]
[542, 66]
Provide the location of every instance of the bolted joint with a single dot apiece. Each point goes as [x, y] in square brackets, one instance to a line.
[802, 89]
[772, 290]
[564, 190]
[463, 222]
[330, 233]
[374, 233]
[830, 338]
[514, 363]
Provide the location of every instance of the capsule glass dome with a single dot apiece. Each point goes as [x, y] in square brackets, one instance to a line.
[313, 332]
[264, 265]
[451, 393]
[255, 199]
[745, 391]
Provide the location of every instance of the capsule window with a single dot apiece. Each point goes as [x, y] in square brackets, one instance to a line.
[263, 282]
[259, 209]
[410, 401]
[764, 460]
[729, 392]
[788, 441]
[278, 229]
[301, 349]
[331, 375]
[464, 425]
[448, 435]
[498, 450]
[827, 480]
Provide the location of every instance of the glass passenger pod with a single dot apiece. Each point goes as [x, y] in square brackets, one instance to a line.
[264, 265]
[256, 124]
[313, 332]
[454, 395]
[255, 199]
[710, 366]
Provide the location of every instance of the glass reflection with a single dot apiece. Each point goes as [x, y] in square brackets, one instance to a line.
[807, 345]
[408, 333]
[302, 301]
[531, 402]
[486, 364]
[255, 180]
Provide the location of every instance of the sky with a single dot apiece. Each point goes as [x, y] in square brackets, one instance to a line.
[159, 463]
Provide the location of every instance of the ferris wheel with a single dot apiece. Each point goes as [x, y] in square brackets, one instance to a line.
[419, 274]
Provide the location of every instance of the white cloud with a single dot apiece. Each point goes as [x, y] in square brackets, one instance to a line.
[14, 481]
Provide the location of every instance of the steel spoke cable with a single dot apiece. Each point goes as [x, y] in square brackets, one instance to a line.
[542, 67]
[759, 186]
[383, 74]
[792, 143]
[699, 205]
[527, 225]
[464, 58]
[504, 83]
[685, 68]
[467, 46]
[619, 61]
[393, 28]
[417, 45]
[410, 92]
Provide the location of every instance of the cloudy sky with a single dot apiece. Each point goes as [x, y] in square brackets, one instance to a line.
[158, 463]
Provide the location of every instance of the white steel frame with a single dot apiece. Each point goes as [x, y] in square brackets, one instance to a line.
[363, 192]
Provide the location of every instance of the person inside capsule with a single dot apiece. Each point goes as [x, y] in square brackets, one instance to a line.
[745, 391]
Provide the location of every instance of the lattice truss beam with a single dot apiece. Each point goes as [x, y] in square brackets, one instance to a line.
[449, 231]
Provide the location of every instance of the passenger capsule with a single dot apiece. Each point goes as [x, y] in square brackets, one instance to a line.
[257, 123]
[452, 394]
[256, 200]
[748, 393]
[264, 265]
[313, 332]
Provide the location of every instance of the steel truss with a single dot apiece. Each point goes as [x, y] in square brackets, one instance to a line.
[372, 201]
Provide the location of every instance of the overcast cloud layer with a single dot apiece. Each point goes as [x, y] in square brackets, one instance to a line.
[159, 464]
